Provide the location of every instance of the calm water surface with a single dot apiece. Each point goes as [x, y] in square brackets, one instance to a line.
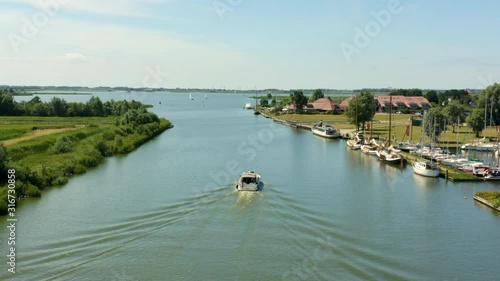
[169, 210]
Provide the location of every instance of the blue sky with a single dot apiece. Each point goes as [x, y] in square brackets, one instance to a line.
[244, 44]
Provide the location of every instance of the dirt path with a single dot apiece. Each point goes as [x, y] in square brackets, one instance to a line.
[35, 134]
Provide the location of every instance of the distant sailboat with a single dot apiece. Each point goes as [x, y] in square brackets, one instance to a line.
[206, 97]
[191, 97]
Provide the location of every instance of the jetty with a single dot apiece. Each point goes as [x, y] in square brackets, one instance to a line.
[485, 202]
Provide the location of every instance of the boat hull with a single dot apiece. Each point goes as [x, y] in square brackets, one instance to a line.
[249, 181]
[391, 158]
[325, 135]
[421, 170]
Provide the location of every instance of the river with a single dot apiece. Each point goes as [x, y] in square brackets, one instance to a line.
[169, 210]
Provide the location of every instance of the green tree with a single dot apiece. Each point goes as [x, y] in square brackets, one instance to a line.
[318, 94]
[492, 95]
[489, 102]
[264, 102]
[95, 106]
[432, 96]
[361, 109]
[476, 121]
[59, 106]
[434, 123]
[269, 96]
[299, 100]
[7, 104]
[453, 111]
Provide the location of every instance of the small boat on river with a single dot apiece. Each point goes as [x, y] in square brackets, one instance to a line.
[325, 131]
[249, 181]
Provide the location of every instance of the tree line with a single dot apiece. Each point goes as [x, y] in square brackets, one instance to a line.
[59, 107]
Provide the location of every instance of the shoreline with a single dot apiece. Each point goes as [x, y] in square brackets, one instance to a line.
[446, 172]
[92, 145]
[486, 202]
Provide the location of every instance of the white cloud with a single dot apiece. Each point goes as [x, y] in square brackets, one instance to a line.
[75, 58]
[73, 53]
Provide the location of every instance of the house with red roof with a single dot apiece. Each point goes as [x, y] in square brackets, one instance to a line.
[320, 105]
[383, 103]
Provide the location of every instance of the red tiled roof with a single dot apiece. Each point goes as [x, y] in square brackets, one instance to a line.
[345, 103]
[382, 100]
[324, 104]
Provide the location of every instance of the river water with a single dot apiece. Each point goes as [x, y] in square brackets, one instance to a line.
[169, 210]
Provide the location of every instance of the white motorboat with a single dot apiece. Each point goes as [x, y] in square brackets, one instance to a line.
[248, 105]
[389, 156]
[493, 174]
[426, 168]
[249, 181]
[325, 131]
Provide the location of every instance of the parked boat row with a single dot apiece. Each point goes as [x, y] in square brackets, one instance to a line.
[480, 145]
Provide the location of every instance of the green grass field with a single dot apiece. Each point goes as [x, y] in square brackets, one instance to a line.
[398, 131]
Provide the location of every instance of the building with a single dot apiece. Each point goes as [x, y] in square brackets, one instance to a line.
[320, 105]
[383, 103]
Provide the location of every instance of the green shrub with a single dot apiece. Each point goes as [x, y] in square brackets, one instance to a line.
[26, 189]
[79, 169]
[108, 135]
[61, 180]
[62, 145]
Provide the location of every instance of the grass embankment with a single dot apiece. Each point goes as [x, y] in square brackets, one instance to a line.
[492, 197]
[398, 131]
[50, 159]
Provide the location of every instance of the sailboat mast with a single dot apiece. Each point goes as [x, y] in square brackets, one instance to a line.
[357, 126]
[458, 131]
[390, 119]
[485, 112]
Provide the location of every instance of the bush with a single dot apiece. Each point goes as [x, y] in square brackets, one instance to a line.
[62, 145]
[61, 180]
[79, 169]
[26, 189]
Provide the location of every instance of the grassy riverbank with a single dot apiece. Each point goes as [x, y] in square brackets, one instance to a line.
[42, 159]
[380, 128]
[492, 198]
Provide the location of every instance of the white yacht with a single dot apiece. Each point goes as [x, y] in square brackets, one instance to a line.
[426, 168]
[249, 181]
[248, 105]
[325, 131]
